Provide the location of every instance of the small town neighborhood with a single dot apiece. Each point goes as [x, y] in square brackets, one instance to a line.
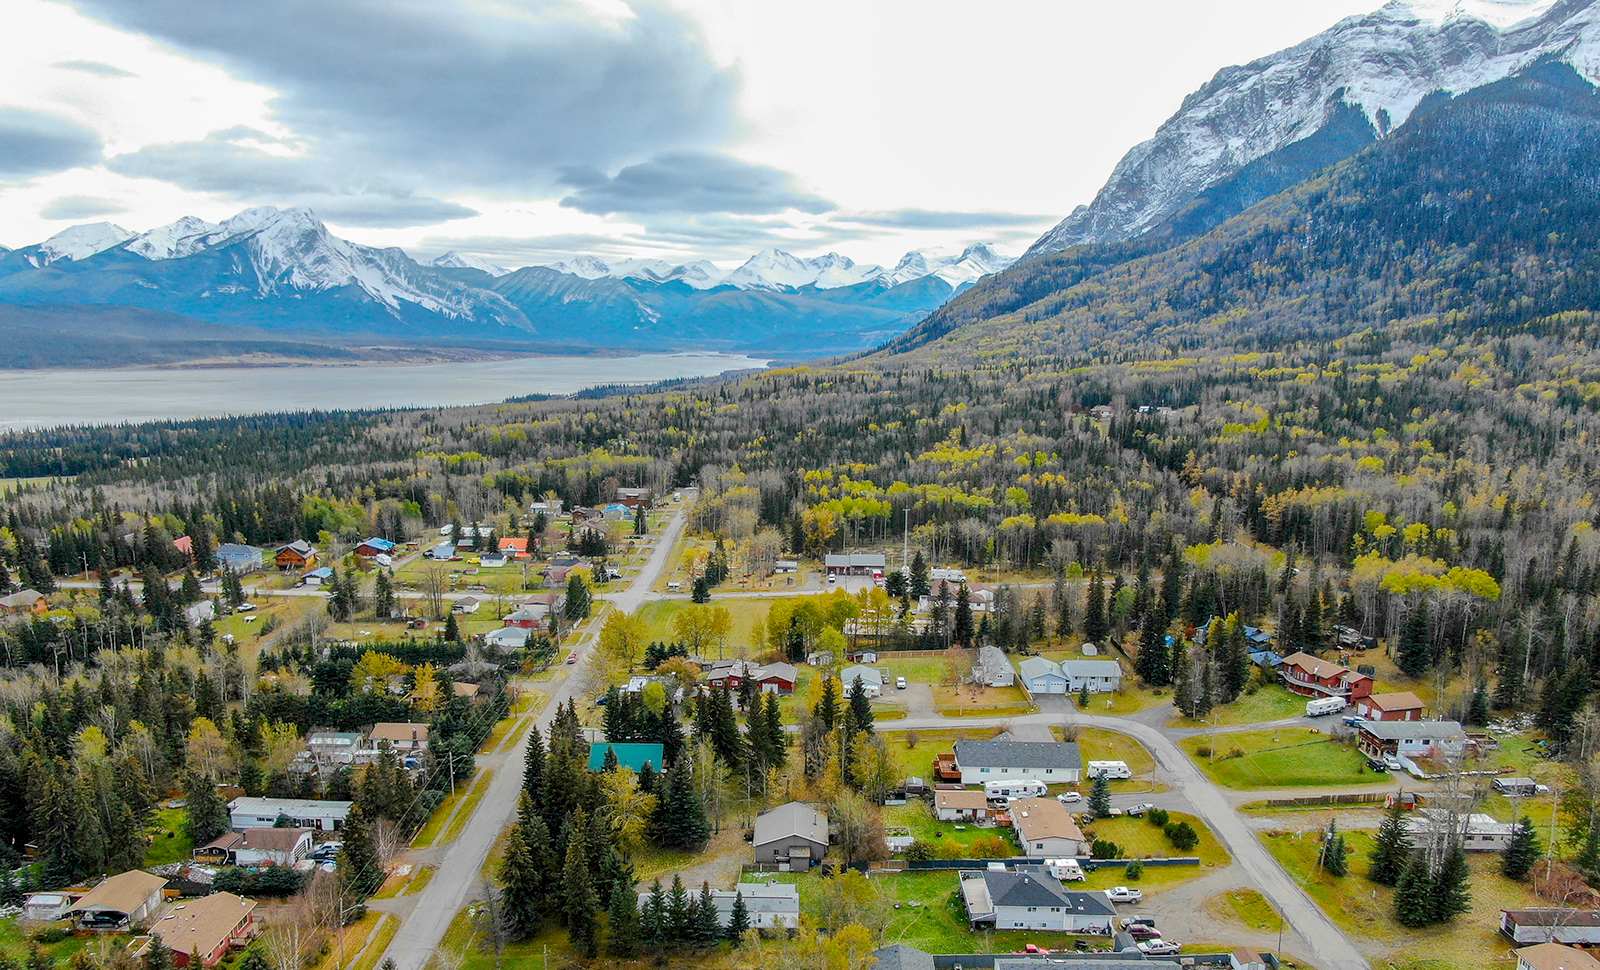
[825, 773]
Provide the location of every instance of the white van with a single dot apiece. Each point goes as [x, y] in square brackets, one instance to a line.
[1323, 706]
[1066, 870]
[999, 791]
[1109, 769]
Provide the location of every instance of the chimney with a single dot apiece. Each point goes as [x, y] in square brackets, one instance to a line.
[413, 736]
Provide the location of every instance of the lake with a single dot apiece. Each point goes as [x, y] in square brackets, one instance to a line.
[52, 398]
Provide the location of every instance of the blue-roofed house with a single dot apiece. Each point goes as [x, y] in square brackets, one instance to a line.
[374, 547]
[238, 558]
[632, 756]
[318, 576]
[443, 550]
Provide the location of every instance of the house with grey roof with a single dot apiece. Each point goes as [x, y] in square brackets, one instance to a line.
[770, 905]
[992, 669]
[1052, 762]
[1028, 898]
[792, 836]
[1100, 676]
[871, 679]
[1042, 676]
[901, 957]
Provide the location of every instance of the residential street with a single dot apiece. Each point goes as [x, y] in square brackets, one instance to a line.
[458, 878]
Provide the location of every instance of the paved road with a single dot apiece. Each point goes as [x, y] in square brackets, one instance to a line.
[458, 877]
[1313, 936]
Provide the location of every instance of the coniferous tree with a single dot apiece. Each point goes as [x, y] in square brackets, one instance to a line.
[623, 936]
[383, 595]
[1508, 687]
[705, 925]
[918, 586]
[1451, 892]
[580, 907]
[1335, 855]
[157, 956]
[1414, 654]
[1153, 662]
[1183, 685]
[452, 629]
[1391, 848]
[578, 603]
[1100, 796]
[653, 918]
[1519, 856]
[826, 709]
[860, 707]
[1413, 906]
[679, 913]
[205, 813]
[1478, 708]
[961, 629]
[1095, 626]
[533, 767]
[739, 919]
[359, 870]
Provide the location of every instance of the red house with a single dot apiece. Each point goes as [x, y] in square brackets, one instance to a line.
[776, 678]
[209, 926]
[516, 548]
[729, 673]
[1402, 706]
[1312, 677]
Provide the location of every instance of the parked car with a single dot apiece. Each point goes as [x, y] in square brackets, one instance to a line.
[1393, 763]
[1137, 811]
[572, 657]
[1068, 797]
[1158, 948]
[245, 607]
[1377, 765]
[1127, 922]
[899, 683]
[1353, 719]
[1142, 931]
[1122, 894]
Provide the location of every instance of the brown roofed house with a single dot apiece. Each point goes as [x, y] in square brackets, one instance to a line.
[24, 601]
[1046, 829]
[208, 926]
[401, 735]
[1554, 956]
[120, 901]
[1400, 706]
[960, 806]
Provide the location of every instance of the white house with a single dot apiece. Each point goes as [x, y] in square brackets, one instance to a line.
[1052, 762]
[992, 669]
[771, 905]
[1100, 676]
[1410, 739]
[871, 679]
[323, 815]
[966, 805]
[507, 638]
[1028, 898]
[1550, 924]
[1479, 832]
[1041, 676]
[1046, 829]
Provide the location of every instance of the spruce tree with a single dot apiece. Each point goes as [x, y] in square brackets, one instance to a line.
[359, 870]
[1451, 893]
[578, 605]
[1414, 655]
[580, 907]
[1100, 797]
[918, 585]
[1335, 856]
[1153, 661]
[623, 936]
[1518, 857]
[533, 767]
[1391, 848]
[653, 918]
[826, 709]
[205, 814]
[1095, 626]
[1413, 905]
[1478, 708]
[706, 927]
[739, 919]
[679, 913]
[383, 595]
[452, 629]
[860, 708]
[1183, 685]
[961, 626]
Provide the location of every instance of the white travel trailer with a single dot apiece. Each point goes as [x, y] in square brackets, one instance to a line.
[997, 791]
[1323, 706]
[1109, 769]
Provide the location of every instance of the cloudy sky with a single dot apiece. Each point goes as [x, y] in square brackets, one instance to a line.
[531, 130]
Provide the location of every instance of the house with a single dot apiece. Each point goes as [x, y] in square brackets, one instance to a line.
[469, 691]
[1312, 677]
[119, 902]
[209, 926]
[1245, 958]
[528, 616]
[468, 538]
[1554, 956]
[374, 547]
[786, 566]
[257, 847]
[1479, 832]
[335, 747]
[638, 682]
[1352, 639]
[514, 547]
[635, 497]
[297, 555]
[1579, 927]
[404, 736]
[794, 836]
[1046, 829]
[820, 658]
[323, 815]
[548, 509]
[507, 638]
[1042, 676]
[46, 907]
[1401, 706]
[776, 678]
[317, 577]
[729, 673]
[444, 550]
[1028, 898]
[1051, 762]
[871, 679]
[964, 805]
[992, 669]
[855, 564]
[24, 601]
[1099, 676]
[562, 567]
[1264, 658]
[492, 560]
[901, 957]
[769, 905]
[238, 558]
[1410, 739]
[466, 605]
[632, 756]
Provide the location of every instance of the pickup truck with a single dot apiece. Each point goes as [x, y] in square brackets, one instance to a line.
[1158, 947]
[1137, 811]
[1122, 894]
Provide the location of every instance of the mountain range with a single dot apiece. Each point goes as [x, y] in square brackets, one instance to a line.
[282, 271]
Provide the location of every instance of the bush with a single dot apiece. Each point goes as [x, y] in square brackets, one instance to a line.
[990, 847]
[1234, 753]
[1203, 751]
[919, 851]
[1158, 817]
[1182, 835]
[1134, 870]
[1101, 849]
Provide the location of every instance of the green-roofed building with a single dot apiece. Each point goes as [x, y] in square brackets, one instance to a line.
[628, 756]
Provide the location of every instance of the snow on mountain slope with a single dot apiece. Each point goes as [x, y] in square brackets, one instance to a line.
[185, 237]
[778, 271]
[455, 260]
[79, 242]
[1384, 62]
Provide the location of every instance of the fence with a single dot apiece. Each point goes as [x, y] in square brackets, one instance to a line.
[907, 865]
[1350, 798]
[982, 961]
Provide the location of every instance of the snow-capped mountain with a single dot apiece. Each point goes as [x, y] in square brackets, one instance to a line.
[78, 242]
[455, 260]
[1382, 65]
[778, 271]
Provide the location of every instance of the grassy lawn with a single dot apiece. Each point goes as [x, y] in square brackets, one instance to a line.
[917, 758]
[1269, 702]
[168, 841]
[916, 670]
[349, 948]
[743, 611]
[12, 940]
[1139, 840]
[1286, 758]
[404, 884]
[951, 840]
[1248, 907]
[1098, 744]
[1365, 910]
[980, 702]
[467, 938]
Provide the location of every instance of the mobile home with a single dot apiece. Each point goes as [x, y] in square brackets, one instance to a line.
[1325, 705]
[1109, 769]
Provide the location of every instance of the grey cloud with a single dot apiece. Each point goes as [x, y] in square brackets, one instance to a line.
[80, 207]
[459, 94]
[689, 182]
[935, 219]
[32, 143]
[94, 67]
[385, 211]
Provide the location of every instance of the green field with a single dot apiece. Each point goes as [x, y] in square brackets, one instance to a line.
[1286, 758]
[168, 841]
[743, 613]
[950, 840]
[1269, 702]
[1098, 744]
